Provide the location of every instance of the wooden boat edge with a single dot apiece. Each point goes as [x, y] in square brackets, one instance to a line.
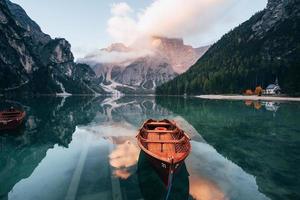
[154, 155]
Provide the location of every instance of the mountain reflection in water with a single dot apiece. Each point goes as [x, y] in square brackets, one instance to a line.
[85, 148]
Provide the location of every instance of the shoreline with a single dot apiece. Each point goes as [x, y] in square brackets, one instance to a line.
[241, 97]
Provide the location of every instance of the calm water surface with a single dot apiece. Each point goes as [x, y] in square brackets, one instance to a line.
[85, 148]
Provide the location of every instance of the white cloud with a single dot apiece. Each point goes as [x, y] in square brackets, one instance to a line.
[120, 9]
[122, 29]
[103, 56]
[177, 18]
[169, 18]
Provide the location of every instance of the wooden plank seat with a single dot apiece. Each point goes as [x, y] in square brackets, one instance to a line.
[11, 113]
[161, 144]
[161, 131]
[172, 141]
[159, 123]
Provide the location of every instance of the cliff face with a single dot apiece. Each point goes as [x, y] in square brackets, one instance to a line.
[140, 75]
[32, 62]
[264, 48]
[179, 55]
[28, 24]
[146, 73]
[276, 12]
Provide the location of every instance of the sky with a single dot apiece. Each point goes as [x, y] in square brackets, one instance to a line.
[95, 24]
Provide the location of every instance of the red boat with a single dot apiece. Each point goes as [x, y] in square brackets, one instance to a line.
[11, 118]
[165, 145]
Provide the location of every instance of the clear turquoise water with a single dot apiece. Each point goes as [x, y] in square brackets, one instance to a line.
[85, 148]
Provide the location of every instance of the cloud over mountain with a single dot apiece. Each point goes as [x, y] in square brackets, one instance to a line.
[166, 18]
[175, 19]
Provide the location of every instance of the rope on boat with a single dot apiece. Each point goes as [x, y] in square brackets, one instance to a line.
[170, 179]
[169, 185]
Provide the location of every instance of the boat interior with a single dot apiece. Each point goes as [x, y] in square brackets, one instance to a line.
[164, 139]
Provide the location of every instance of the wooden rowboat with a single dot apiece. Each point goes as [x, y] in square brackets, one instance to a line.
[165, 145]
[11, 118]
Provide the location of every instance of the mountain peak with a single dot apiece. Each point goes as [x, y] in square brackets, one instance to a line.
[24, 21]
[273, 3]
[276, 12]
[180, 55]
[118, 47]
[158, 41]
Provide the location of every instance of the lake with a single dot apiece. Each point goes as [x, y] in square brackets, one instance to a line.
[85, 148]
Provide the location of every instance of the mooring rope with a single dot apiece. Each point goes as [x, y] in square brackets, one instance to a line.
[170, 177]
[169, 185]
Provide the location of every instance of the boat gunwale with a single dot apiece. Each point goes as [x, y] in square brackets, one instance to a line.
[169, 161]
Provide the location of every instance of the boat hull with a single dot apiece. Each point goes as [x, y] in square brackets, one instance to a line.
[163, 168]
[165, 145]
[149, 181]
[11, 123]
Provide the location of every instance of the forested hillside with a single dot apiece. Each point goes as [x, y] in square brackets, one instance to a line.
[264, 48]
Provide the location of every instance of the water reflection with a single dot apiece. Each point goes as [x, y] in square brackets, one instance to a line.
[152, 187]
[124, 157]
[214, 177]
[46, 125]
[261, 143]
[85, 148]
[202, 188]
[271, 105]
[268, 105]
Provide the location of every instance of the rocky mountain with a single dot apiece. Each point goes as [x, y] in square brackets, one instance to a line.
[32, 62]
[141, 69]
[264, 48]
[179, 55]
[140, 75]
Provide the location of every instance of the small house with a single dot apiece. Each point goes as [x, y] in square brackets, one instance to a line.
[273, 89]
